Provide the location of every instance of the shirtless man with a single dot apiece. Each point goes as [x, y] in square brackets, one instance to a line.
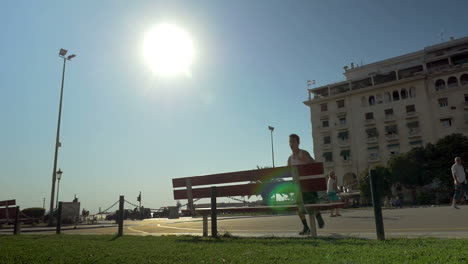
[299, 157]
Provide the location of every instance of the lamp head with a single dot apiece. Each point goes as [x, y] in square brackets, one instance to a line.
[63, 52]
[59, 174]
[71, 57]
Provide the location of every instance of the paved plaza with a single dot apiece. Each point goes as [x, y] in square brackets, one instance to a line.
[439, 221]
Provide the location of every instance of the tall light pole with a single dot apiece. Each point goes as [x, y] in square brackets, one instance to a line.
[272, 152]
[62, 54]
[59, 177]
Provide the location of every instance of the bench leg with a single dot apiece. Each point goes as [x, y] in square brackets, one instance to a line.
[205, 225]
[312, 225]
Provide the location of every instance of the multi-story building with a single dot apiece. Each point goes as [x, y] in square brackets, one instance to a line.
[389, 107]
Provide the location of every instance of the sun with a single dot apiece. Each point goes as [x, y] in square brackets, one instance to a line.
[168, 50]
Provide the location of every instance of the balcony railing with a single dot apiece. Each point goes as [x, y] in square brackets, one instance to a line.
[327, 146]
[372, 139]
[411, 114]
[346, 162]
[414, 131]
[369, 121]
[373, 158]
[328, 164]
[389, 118]
[343, 142]
[391, 136]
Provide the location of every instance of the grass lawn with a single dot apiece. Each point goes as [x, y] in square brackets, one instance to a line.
[186, 249]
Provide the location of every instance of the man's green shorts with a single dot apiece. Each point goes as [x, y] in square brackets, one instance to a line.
[310, 197]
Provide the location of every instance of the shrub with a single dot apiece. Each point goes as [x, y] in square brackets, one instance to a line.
[34, 212]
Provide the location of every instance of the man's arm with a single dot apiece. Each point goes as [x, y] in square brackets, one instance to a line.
[307, 158]
[454, 175]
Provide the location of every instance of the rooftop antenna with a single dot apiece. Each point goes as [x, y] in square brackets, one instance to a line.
[442, 35]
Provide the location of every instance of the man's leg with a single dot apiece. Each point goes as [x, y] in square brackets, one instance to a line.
[301, 212]
[456, 195]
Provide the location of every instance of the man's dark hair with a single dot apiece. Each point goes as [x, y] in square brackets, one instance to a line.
[296, 137]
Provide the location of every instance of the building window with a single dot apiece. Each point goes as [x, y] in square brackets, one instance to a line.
[394, 149]
[396, 96]
[343, 135]
[466, 98]
[328, 156]
[452, 82]
[412, 92]
[391, 130]
[346, 154]
[371, 100]
[340, 103]
[326, 140]
[387, 98]
[413, 127]
[363, 101]
[439, 85]
[372, 132]
[342, 120]
[447, 122]
[416, 144]
[323, 107]
[325, 123]
[443, 102]
[369, 116]
[404, 94]
[389, 113]
[464, 79]
[410, 109]
[378, 97]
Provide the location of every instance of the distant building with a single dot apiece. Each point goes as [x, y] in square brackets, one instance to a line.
[389, 107]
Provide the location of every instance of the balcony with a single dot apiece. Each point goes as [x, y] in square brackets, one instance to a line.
[343, 142]
[410, 115]
[414, 132]
[326, 146]
[389, 118]
[342, 125]
[465, 105]
[369, 122]
[328, 164]
[372, 139]
[346, 162]
[390, 137]
[373, 158]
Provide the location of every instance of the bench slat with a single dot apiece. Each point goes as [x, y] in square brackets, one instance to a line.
[250, 175]
[7, 202]
[308, 185]
[268, 209]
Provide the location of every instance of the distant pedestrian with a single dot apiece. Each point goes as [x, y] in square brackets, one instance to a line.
[459, 180]
[331, 191]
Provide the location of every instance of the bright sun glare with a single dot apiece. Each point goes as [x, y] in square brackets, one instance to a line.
[168, 50]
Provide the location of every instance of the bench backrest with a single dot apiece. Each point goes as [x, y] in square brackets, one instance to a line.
[7, 209]
[260, 181]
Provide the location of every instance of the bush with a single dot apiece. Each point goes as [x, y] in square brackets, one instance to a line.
[426, 197]
[385, 182]
[34, 212]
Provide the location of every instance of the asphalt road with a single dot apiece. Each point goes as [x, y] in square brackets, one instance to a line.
[443, 221]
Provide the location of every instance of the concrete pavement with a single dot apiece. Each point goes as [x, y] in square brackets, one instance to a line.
[440, 221]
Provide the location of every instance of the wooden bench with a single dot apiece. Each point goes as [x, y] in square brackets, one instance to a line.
[282, 180]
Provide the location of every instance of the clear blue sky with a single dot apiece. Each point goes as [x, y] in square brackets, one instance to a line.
[125, 130]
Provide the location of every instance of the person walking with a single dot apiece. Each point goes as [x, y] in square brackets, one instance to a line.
[459, 181]
[331, 192]
[300, 157]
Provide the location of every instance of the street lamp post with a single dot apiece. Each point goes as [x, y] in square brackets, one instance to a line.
[62, 54]
[59, 177]
[272, 152]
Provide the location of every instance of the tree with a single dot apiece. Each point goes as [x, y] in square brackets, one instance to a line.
[383, 174]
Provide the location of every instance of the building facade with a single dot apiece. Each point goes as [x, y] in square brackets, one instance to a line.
[390, 107]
